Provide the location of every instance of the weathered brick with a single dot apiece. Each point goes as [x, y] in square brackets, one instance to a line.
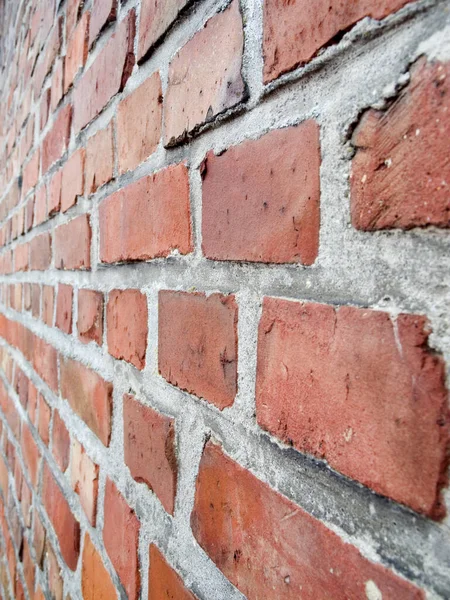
[28, 567]
[77, 50]
[36, 300]
[149, 449]
[126, 318]
[156, 18]
[121, 539]
[53, 572]
[89, 395]
[54, 193]
[401, 165]
[21, 254]
[201, 87]
[30, 454]
[64, 523]
[366, 394]
[72, 183]
[48, 303]
[96, 582]
[295, 31]
[84, 479]
[44, 362]
[45, 414]
[139, 121]
[40, 252]
[197, 344]
[271, 212]
[102, 12]
[64, 308]
[270, 548]
[163, 581]
[72, 14]
[90, 316]
[73, 244]
[40, 205]
[31, 172]
[57, 139]
[99, 159]
[38, 538]
[148, 219]
[57, 84]
[107, 75]
[60, 442]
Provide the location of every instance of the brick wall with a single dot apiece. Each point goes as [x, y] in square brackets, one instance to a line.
[224, 299]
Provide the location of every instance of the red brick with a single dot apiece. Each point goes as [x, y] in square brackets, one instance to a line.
[366, 394]
[89, 396]
[40, 252]
[72, 183]
[38, 539]
[45, 108]
[90, 316]
[30, 454]
[64, 308]
[29, 214]
[72, 13]
[295, 31]
[270, 548]
[121, 539]
[84, 479]
[201, 87]
[31, 172]
[60, 442]
[139, 121]
[57, 84]
[64, 523]
[73, 244]
[99, 159]
[40, 205]
[107, 75]
[197, 344]
[21, 257]
[156, 18]
[164, 582]
[401, 163]
[55, 582]
[45, 414]
[147, 219]
[3, 478]
[54, 193]
[126, 317]
[77, 50]
[149, 449]
[48, 303]
[96, 582]
[271, 213]
[57, 139]
[28, 567]
[36, 300]
[44, 362]
[102, 12]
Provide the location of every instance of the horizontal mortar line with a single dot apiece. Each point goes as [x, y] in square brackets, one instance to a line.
[405, 530]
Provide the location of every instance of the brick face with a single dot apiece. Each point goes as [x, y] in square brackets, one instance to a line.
[198, 344]
[315, 24]
[139, 123]
[366, 394]
[396, 147]
[269, 547]
[200, 89]
[271, 213]
[149, 449]
[126, 318]
[147, 219]
[224, 324]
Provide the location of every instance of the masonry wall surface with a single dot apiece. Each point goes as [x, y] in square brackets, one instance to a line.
[224, 299]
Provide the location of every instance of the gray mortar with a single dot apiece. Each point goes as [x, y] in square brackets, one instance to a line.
[394, 271]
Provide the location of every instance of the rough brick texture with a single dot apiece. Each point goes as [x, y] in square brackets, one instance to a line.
[200, 88]
[401, 170]
[358, 389]
[224, 292]
[198, 344]
[147, 219]
[313, 24]
[271, 213]
[268, 546]
[149, 449]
